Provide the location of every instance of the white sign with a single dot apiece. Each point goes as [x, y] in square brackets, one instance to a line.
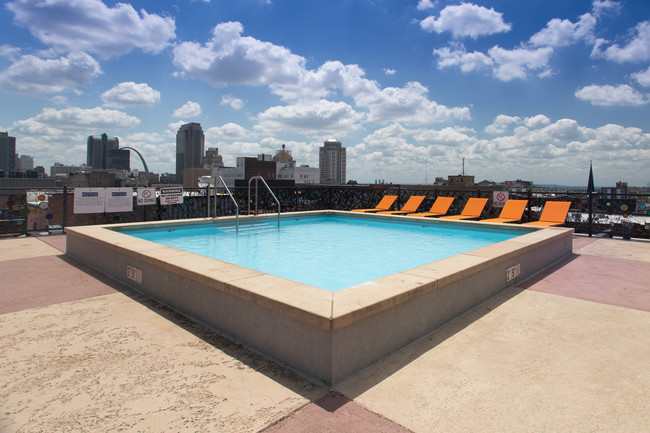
[133, 273]
[499, 198]
[89, 200]
[119, 200]
[171, 196]
[513, 272]
[146, 196]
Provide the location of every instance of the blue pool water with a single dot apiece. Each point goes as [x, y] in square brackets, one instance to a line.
[330, 252]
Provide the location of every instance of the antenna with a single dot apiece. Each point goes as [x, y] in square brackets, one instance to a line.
[463, 167]
[426, 163]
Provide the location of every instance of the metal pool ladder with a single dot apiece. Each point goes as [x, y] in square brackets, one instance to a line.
[233, 200]
[256, 178]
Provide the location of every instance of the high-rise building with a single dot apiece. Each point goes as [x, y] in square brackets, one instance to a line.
[190, 145]
[212, 158]
[332, 162]
[25, 162]
[7, 152]
[98, 150]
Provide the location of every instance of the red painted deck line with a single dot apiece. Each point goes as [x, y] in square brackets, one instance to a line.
[47, 280]
[611, 281]
[334, 413]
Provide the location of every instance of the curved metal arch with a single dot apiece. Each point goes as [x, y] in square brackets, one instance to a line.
[146, 170]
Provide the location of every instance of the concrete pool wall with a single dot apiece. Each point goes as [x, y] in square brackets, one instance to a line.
[325, 336]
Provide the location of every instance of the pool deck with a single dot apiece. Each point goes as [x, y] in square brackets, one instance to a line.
[567, 350]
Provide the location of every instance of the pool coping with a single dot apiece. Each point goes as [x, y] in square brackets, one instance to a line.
[302, 318]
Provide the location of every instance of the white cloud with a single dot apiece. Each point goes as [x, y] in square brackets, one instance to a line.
[9, 51]
[189, 109]
[466, 20]
[643, 77]
[501, 124]
[600, 7]
[130, 94]
[468, 62]
[318, 118]
[636, 50]
[35, 76]
[518, 62]
[561, 33]
[408, 105]
[89, 25]
[622, 95]
[389, 71]
[74, 118]
[229, 131]
[425, 4]
[506, 65]
[230, 58]
[234, 103]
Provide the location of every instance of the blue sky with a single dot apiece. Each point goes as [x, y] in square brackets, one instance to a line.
[520, 89]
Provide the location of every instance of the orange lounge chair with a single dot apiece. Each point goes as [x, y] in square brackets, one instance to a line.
[384, 204]
[410, 206]
[553, 214]
[472, 210]
[512, 211]
[440, 207]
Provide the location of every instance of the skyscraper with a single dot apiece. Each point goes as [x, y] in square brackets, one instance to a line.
[7, 152]
[190, 144]
[103, 153]
[332, 162]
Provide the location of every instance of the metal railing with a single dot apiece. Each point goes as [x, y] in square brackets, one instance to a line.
[621, 215]
[256, 178]
[233, 200]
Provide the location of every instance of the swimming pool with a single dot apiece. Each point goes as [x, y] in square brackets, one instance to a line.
[326, 336]
[330, 252]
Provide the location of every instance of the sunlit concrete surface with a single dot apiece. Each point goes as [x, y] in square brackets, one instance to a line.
[566, 350]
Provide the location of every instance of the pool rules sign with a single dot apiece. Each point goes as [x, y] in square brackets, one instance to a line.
[171, 196]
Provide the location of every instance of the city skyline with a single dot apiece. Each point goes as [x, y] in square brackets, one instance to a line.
[522, 90]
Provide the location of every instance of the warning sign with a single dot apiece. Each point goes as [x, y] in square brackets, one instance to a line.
[171, 196]
[499, 198]
[146, 196]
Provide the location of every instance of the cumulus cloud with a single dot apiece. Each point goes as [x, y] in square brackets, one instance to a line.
[466, 20]
[636, 50]
[91, 26]
[229, 131]
[36, 76]
[389, 71]
[467, 62]
[643, 77]
[425, 4]
[409, 105]
[318, 118]
[501, 124]
[561, 33]
[74, 118]
[517, 63]
[189, 109]
[9, 51]
[505, 65]
[230, 58]
[608, 96]
[600, 7]
[130, 94]
[234, 103]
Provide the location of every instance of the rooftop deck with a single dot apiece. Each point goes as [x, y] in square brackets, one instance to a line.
[567, 350]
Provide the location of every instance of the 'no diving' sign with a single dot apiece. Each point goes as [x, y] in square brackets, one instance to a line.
[499, 198]
[146, 196]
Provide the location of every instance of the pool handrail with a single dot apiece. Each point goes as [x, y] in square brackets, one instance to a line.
[223, 182]
[256, 195]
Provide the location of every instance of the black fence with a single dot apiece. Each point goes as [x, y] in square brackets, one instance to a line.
[34, 212]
